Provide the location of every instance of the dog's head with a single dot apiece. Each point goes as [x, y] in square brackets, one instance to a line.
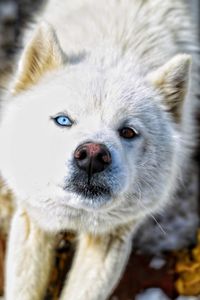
[90, 142]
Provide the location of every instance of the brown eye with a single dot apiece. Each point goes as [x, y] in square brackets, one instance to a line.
[127, 133]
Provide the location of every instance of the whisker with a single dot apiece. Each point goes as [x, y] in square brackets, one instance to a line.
[150, 214]
[159, 225]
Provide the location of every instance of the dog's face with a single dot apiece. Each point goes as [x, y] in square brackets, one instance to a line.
[89, 147]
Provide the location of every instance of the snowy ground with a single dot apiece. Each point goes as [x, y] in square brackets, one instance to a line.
[157, 294]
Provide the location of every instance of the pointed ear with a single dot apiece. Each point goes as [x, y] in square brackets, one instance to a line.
[42, 54]
[171, 80]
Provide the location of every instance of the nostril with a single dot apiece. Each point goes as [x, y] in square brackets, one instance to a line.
[80, 154]
[104, 158]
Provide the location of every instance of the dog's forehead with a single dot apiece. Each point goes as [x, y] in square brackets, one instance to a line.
[91, 89]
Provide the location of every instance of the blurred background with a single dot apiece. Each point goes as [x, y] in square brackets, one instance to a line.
[165, 262]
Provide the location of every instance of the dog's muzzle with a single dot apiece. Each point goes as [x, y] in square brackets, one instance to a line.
[88, 180]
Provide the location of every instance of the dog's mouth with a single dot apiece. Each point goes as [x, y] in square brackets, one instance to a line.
[88, 190]
[94, 188]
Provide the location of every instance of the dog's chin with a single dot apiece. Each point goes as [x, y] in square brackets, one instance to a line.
[89, 196]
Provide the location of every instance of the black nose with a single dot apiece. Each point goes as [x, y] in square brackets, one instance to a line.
[92, 158]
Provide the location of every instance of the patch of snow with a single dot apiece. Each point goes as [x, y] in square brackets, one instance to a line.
[157, 263]
[152, 294]
[8, 11]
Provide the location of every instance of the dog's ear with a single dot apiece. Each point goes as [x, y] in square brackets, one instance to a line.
[171, 80]
[42, 54]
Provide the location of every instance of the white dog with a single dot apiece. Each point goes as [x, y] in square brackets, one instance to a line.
[94, 130]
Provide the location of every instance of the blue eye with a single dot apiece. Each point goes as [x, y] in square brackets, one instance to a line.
[63, 121]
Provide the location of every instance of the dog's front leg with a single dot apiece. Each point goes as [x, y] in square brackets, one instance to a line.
[98, 265]
[29, 259]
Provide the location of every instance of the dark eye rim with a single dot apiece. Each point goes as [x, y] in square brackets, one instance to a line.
[62, 115]
[134, 131]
